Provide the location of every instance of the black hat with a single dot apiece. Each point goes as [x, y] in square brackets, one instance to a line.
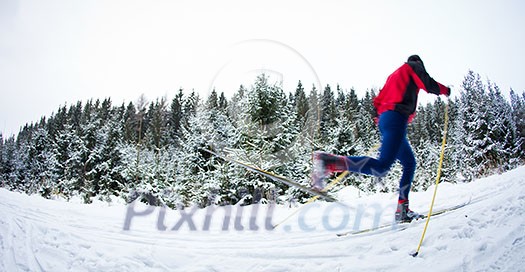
[415, 58]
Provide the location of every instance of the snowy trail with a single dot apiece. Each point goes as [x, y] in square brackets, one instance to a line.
[487, 235]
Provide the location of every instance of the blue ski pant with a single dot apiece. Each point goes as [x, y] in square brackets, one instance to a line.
[394, 146]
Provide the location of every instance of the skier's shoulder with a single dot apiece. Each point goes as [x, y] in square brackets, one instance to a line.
[416, 66]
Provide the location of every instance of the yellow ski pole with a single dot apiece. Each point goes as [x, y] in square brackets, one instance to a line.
[444, 142]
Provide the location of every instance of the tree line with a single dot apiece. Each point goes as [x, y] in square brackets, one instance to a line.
[157, 149]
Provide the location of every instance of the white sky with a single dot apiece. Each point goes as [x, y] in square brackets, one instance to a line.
[58, 52]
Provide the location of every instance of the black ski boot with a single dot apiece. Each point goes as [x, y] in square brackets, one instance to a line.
[404, 214]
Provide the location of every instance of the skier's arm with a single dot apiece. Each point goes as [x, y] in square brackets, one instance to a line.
[431, 86]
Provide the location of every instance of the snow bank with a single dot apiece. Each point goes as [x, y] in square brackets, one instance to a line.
[488, 234]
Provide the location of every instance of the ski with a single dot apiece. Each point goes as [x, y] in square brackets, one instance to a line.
[402, 226]
[274, 176]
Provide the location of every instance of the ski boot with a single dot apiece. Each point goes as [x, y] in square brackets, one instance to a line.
[325, 164]
[404, 214]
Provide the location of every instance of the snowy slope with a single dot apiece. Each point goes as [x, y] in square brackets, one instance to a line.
[487, 235]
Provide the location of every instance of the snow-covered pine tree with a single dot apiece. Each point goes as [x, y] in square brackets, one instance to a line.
[340, 138]
[236, 103]
[328, 113]
[102, 134]
[449, 169]
[111, 181]
[505, 142]
[43, 163]
[300, 102]
[157, 135]
[9, 160]
[351, 106]
[518, 113]
[261, 128]
[189, 107]
[416, 130]
[223, 102]
[213, 100]
[202, 178]
[366, 132]
[191, 164]
[293, 151]
[3, 161]
[473, 127]
[423, 145]
[130, 124]
[313, 120]
[175, 117]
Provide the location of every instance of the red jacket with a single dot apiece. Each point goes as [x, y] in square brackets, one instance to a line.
[402, 87]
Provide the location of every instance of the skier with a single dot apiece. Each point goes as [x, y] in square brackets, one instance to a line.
[395, 106]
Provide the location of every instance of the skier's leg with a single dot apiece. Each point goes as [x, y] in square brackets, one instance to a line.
[392, 126]
[408, 161]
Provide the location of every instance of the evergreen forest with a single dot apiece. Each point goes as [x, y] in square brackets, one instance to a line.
[97, 150]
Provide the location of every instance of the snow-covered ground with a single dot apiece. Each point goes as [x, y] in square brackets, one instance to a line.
[487, 235]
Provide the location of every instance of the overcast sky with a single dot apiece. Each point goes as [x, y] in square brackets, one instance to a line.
[55, 53]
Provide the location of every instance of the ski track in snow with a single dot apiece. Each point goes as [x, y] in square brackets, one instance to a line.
[486, 235]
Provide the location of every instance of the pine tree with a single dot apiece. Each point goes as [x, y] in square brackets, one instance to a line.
[366, 132]
[189, 107]
[504, 147]
[458, 136]
[264, 101]
[157, 134]
[175, 116]
[267, 126]
[416, 130]
[3, 161]
[313, 120]
[300, 102]
[341, 134]
[351, 106]
[473, 128]
[213, 100]
[42, 164]
[199, 175]
[130, 124]
[450, 170]
[518, 114]
[9, 162]
[111, 181]
[328, 113]
[223, 102]
[237, 102]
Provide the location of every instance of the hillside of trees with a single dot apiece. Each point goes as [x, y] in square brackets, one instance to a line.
[95, 149]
